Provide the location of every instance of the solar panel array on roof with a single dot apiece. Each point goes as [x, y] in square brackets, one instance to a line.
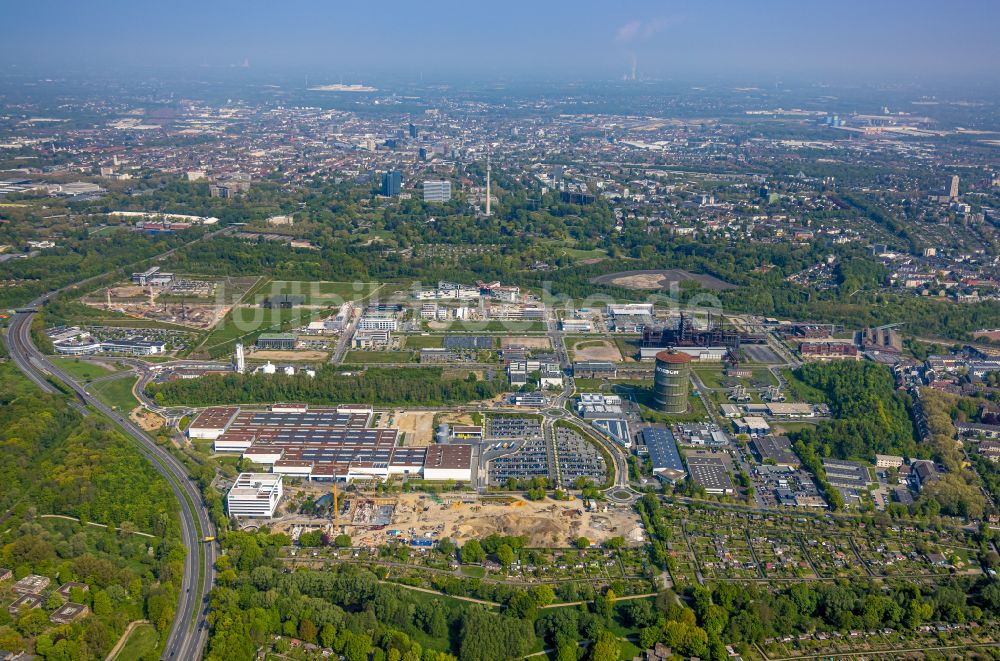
[308, 418]
[616, 428]
[468, 342]
[324, 443]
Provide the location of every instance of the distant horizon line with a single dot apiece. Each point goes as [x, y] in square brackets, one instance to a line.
[312, 80]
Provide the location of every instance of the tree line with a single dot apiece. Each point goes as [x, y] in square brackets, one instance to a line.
[413, 386]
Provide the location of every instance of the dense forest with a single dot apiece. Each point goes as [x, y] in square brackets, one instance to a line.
[869, 416]
[413, 386]
[53, 461]
[959, 491]
[61, 463]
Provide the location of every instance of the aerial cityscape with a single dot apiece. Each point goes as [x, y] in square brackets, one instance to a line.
[455, 333]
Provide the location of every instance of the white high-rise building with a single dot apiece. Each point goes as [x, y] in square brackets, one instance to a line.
[241, 360]
[254, 495]
[437, 191]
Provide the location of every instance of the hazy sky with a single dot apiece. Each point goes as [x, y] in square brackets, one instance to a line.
[895, 39]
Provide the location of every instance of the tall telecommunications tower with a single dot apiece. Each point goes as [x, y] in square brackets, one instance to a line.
[487, 183]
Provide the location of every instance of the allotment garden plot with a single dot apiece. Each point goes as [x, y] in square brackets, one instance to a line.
[742, 546]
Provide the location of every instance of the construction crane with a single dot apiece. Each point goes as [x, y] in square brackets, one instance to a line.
[336, 508]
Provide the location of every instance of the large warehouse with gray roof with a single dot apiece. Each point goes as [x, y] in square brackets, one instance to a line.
[325, 443]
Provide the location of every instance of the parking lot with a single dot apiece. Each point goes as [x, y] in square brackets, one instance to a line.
[576, 458]
[514, 428]
[760, 353]
[530, 460]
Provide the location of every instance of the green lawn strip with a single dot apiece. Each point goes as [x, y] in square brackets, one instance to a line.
[316, 292]
[81, 370]
[424, 341]
[116, 393]
[370, 357]
[245, 324]
[473, 571]
[142, 642]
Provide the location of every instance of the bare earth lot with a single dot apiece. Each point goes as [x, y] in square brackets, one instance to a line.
[453, 418]
[527, 342]
[200, 317]
[659, 279]
[197, 311]
[596, 350]
[148, 420]
[545, 524]
[417, 425]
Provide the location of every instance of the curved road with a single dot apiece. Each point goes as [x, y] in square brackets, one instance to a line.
[557, 339]
[189, 631]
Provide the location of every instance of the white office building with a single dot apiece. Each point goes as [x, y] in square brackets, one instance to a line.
[437, 191]
[629, 309]
[577, 326]
[378, 323]
[254, 495]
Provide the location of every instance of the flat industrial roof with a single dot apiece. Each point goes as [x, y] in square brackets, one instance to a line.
[662, 447]
[216, 417]
[710, 472]
[594, 364]
[846, 473]
[449, 457]
[790, 408]
[777, 448]
[616, 428]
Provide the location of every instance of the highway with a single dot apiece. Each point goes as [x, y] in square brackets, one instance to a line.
[189, 631]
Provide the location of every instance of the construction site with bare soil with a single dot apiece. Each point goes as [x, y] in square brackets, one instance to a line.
[418, 427]
[198, 304]
[375, 521]
[596, 350]
[660, 279]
